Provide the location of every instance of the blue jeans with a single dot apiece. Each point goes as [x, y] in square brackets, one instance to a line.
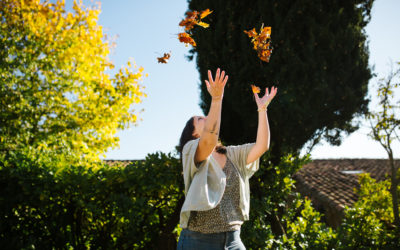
[218, 241]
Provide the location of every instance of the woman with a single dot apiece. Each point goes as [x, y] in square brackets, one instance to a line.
[217, 177]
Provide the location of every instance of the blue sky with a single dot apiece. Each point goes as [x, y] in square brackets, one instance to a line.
[145, 30]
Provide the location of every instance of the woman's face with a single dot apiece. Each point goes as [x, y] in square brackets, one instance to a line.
[198, 123]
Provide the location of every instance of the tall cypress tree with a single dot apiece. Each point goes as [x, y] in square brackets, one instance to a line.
[319, 63]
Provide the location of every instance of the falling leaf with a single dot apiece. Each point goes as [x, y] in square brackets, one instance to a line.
[186, 38]
[192, 14]
[255, 89]
[205, 13]
[203, 24]
[261, 42]
[265, 33]
[192, 18]
[164, 59]
[251, 33]
[188, 23]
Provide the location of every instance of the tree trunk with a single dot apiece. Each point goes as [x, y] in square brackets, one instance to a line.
[276, 225]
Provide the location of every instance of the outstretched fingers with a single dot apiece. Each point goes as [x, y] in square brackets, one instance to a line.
[216, 86]
[210, 78]
[256, 97]
[207, 84]
[273, 92]
[222, 75]
[225, 80]
[217, 75]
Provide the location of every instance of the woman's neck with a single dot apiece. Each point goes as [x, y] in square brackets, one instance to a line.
[220, 158]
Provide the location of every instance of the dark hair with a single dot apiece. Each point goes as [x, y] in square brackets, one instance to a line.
[187, 135]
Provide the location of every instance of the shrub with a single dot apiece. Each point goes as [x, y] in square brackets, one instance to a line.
[368, 224]
[108, 207]
[279, 217]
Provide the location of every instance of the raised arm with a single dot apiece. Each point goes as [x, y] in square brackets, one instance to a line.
[263, 134]
[209, 135]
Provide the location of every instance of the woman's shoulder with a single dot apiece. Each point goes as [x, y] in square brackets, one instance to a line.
[190, 146]
[238, 151]
[240, 146]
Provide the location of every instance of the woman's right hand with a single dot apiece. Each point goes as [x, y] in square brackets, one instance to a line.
[210, 131]
[216, 87]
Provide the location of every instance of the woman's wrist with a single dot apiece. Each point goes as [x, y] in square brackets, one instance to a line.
[262, 109]
[217, 98]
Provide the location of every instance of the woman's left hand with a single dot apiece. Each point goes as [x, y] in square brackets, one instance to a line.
[263, 102]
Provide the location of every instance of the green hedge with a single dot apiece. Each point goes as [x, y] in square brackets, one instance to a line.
[108, 207]
[45, 206]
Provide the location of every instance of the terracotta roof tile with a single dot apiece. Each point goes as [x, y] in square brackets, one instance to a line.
[122, 162]
[324, 179]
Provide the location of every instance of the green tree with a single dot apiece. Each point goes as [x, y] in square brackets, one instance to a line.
[319, 63]
[368, 224]
[385, 129]
[56, 90]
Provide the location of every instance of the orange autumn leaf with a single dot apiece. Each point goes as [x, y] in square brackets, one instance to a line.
[164, 59]
[186, 38]
[265, 32]
[264, 55]
[261, 42]
[192, 19]
[192, 14]
[188, 23]
[203, 24]
[205, 13]
[255, 89]
[251, 33]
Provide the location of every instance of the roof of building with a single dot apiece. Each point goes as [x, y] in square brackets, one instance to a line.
[333, 180]
[120, 162]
